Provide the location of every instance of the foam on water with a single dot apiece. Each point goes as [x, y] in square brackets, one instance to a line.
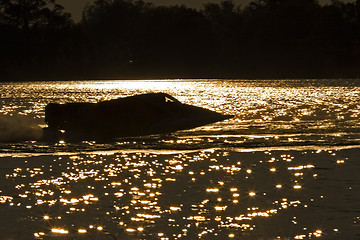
[19, 128]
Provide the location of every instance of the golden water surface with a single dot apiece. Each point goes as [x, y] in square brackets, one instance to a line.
[286, 167]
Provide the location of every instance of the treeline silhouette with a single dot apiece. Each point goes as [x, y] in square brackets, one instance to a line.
[134, 39]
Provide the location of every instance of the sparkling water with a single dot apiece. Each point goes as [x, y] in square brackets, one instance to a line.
[286, 166]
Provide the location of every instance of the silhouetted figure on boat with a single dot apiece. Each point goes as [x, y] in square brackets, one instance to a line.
[137, 115]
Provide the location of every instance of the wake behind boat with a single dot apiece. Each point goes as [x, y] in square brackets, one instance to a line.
[138, 115]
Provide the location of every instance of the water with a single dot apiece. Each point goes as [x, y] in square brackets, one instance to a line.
[285, 167]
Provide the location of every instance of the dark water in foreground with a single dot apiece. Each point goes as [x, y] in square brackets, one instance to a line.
[286, 167]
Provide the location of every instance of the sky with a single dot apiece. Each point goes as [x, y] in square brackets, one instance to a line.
[75, 7]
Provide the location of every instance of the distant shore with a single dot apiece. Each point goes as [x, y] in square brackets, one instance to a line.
[137, 40]
[78, 77]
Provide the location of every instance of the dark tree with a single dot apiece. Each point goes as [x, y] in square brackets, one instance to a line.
[134, 39]
[29, 14]
[227, 35]
[33, 38]
[113, 29]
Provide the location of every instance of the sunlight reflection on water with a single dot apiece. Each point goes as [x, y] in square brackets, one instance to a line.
[285, 167]
[209, 193]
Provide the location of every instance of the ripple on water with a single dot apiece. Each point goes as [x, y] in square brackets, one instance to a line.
[285, 167]
[208, 193]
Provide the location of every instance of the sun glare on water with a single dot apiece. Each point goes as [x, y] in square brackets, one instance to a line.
[267, 165]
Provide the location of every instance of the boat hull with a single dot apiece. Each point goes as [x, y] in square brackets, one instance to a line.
[138, 115]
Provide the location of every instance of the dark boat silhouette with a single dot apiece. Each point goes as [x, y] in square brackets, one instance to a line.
[145, 114]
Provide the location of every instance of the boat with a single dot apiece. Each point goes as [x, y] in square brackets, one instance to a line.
[138, 115]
